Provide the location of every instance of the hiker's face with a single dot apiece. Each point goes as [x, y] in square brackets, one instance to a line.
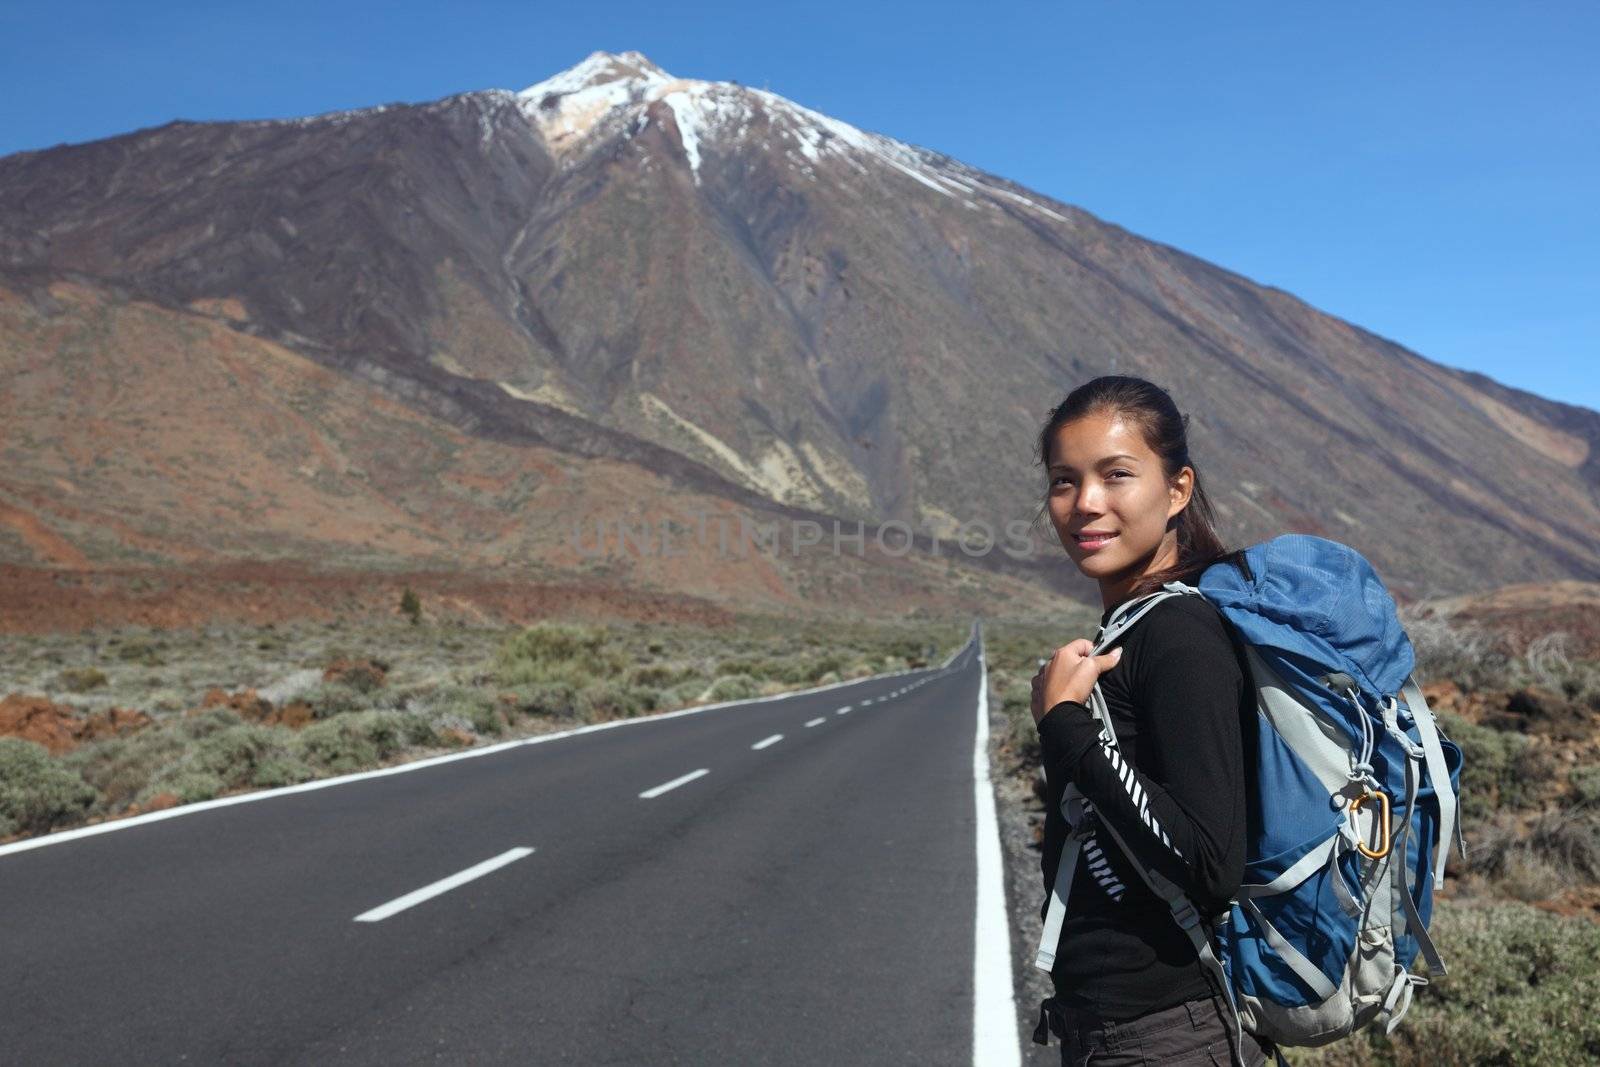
[1102, 476]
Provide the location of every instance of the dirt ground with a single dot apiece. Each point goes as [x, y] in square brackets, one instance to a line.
[43, 600]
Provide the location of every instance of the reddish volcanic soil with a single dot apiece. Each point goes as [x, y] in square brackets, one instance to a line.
[38, 600]
[58, 727]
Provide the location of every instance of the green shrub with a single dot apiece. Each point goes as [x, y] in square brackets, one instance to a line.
[207, 722]
[411, 605]
[1586, 784]
[1522, 988]
[361, 740]
[553, 700]
[36, 791]
[365, 678]
[1549, 663]
[684, 693]
[792, 671]
[1571, 840]
[121, 767]
[416, 730]
[827, 665]
[656, 674]
[1490, 767]
[612, 700]
[337, 745]
[764, 668]
[142, 650]
[466, 701]
[235, 754]
[556, 652]
[731, 687]
[275, 771]
[222, 753]
[82, 679]
[486, 720]
[328, 699]
[189, 785]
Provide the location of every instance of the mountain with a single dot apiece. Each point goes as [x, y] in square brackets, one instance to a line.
[715, 295]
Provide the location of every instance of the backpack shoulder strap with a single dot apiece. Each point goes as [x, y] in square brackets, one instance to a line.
[1132, 611]
[1117, 627]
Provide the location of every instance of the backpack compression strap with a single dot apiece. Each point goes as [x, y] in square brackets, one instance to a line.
[1438, 772]
[1061, 889]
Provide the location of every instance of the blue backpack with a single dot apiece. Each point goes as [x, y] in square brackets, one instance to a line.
[1353, 799]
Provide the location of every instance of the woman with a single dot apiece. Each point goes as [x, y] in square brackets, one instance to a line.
[1126, 504]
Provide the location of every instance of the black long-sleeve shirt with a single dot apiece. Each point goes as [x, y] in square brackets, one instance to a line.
[1175, 792]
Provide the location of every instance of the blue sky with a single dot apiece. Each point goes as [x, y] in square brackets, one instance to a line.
[1426, 170]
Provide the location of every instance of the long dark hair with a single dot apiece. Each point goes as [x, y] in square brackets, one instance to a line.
[1166, 432]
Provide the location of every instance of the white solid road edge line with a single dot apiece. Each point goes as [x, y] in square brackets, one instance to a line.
[675, 783]
[995, 1041]
[111, 825]
[443, 885]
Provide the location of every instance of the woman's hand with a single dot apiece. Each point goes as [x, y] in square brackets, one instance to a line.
[1069, 674]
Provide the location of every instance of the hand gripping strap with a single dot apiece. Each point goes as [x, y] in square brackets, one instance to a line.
[1131, 612]
[1115, 627]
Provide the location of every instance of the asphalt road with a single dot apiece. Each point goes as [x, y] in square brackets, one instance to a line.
[808, 901]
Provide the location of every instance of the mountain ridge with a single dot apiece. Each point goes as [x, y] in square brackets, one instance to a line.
[847, 325]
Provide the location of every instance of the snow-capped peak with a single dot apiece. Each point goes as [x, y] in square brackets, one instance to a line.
[569, 105]
[610, 93]
[599, 69]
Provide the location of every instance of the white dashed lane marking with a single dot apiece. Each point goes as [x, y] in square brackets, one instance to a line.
[443, 885]
[675, 783]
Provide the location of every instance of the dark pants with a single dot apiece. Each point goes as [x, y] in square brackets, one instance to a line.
[1196, 1033]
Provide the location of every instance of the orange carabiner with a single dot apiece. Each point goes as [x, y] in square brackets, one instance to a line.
[1355, 806]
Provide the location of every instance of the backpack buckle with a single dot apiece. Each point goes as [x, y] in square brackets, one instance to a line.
[1186, 914]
